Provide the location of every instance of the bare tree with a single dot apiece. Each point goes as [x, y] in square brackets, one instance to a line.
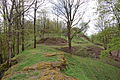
[70, 12]
[9, 16]
[102, 22]
[36, 7]
[13, 18]
[114, 9]
[110, 8]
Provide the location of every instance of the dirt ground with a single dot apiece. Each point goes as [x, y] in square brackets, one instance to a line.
[53, 41]
[90, 50]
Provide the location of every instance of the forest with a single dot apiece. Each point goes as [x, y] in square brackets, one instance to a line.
[59, 39]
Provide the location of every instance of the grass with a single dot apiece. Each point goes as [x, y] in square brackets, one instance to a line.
[33, 56]
[78, 67]
[88, 69]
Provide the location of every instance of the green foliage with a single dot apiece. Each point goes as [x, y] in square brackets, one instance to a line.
[106, 36]
[114, 44]
[110, 39]
[104, 53]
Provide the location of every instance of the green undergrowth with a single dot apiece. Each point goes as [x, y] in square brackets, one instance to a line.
[80, 68]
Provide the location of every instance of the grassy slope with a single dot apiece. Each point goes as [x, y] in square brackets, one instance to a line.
[81, 68]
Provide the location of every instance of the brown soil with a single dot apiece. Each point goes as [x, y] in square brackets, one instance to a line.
[96, 51]
[66, 49]
[53, 41]
[111, 62]
[115, 58]
[91, 50]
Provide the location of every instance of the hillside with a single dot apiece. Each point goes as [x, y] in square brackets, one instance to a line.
[78, 68]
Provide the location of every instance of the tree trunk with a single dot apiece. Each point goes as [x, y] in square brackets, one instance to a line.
[18, 40]
[69, 42]
[69, 38]
[9, 44]
[35, 10]
[1, 58]
[13, 50]
[118, 53]
[23, 47]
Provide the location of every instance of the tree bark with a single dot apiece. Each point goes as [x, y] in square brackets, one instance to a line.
[22, 26]
[118, 53]
[23, 47]
[18, 40]
[69, 37]
[9, 43]
[35, 10]
[1, 58]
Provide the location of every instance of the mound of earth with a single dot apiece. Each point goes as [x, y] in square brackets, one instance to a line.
[92, 51]
[66, 49]
[53, 41]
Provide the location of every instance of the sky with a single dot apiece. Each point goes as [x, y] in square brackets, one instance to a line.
[92, 16]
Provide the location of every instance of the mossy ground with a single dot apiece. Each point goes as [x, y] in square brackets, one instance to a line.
[78, 67]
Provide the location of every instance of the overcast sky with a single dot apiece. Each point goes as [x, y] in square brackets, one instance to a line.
[91, 15]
